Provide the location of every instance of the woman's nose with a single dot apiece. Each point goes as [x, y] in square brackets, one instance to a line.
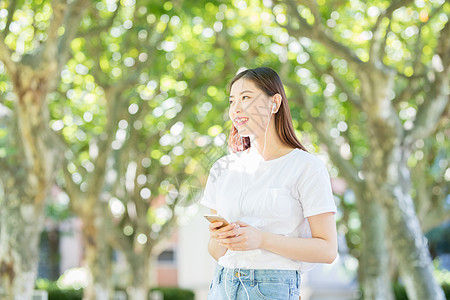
[237, 107]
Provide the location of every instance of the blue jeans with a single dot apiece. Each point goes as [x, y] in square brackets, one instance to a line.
[266, 284]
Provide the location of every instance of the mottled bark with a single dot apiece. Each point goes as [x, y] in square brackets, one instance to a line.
[32, 172]
[374, 259]
[410, 248]
[31, 175]
[140, 285]
[98, 256]
[387, 177]
[20, 227]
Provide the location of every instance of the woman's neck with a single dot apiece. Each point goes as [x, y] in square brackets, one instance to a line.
[274, 147]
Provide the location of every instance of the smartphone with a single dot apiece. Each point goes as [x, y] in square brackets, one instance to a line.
[217, 218]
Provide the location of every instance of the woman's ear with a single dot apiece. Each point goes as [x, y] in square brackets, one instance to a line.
[277, 98]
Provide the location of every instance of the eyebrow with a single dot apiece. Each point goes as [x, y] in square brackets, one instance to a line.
[242, 93]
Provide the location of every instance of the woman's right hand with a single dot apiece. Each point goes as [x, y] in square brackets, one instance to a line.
[214, 231]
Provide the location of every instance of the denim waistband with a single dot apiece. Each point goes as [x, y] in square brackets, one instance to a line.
[259, 275]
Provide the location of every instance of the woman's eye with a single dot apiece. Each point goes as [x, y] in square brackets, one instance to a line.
[242, 98]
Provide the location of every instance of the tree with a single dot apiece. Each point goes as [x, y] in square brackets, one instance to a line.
[382, 88]
[33, 58]
[117, 174]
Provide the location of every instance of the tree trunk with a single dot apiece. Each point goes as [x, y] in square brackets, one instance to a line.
[140, 285]
[410, 245]
[20, 225]
[98, 259]
[26, 187]
[386, 175]
[374, 259]
[140, 288]
[138, 293]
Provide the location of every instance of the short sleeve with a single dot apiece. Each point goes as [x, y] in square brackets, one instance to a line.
[208, 198]
[315, 192]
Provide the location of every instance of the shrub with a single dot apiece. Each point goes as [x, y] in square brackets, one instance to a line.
[65, 294]
[55, 293]
[174, 293]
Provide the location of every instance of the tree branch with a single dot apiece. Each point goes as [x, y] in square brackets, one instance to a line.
[430, 112]
[126, 153]
[347, 169]
[418, 52]
[5, 56]
[319, 33]
[72, 189]
[11, 10]
[114, 106]
[120, 241]
[115, 102]
[407, 93]
[101, 28]
[345, 87]
[160, 244]
[312, 5]
[354, 99]
[72, 21]
[50, 46]
[150, 50]
[376, 51]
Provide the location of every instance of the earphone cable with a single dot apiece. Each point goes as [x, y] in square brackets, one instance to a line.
[245, 168]
[240, 196]
[239, 275]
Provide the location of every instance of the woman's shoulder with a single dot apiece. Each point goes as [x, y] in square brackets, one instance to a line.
[307, 161]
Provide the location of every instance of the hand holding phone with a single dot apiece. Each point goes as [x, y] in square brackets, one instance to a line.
[217, 218]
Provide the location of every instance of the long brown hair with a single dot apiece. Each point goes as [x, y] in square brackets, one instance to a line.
[270, 83]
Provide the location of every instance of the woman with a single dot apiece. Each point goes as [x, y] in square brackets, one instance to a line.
[276, 196]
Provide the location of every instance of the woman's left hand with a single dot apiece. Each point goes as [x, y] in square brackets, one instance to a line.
[247, 238]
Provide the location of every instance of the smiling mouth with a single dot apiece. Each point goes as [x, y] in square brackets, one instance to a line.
[241, 121]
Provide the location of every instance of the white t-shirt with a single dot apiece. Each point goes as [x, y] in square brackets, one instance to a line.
[284, 191]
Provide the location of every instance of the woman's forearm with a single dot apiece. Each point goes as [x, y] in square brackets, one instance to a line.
[216, 250]
[314, 250]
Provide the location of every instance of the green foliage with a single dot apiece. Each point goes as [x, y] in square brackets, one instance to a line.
[446, 288]
[439, 239]
[55, 293]
[172, 293]
[57, 212]
[442, 275]
[399, 292]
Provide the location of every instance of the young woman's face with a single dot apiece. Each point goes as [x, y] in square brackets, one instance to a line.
[250, 108]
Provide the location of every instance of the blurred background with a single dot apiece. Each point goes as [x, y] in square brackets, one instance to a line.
[113, 112]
